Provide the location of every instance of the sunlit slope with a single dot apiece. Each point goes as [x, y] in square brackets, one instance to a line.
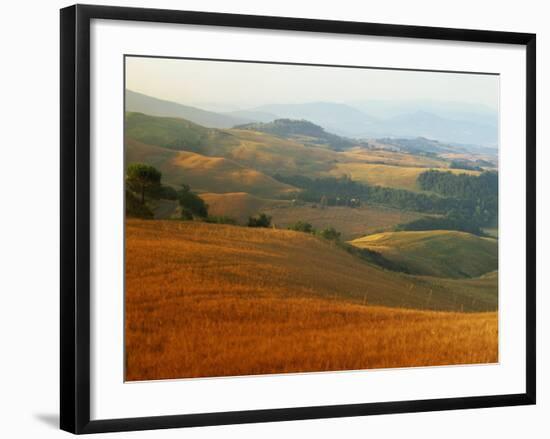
[397, 177]
[395, 158]
[272, 154]
[442, 253]
[213, 300]
[202, 173]
[264, 152]
[214, 257]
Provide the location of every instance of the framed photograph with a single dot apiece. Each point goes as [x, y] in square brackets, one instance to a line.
[273, 218]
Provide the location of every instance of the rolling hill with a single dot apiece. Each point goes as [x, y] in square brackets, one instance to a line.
[271, 154]
[287, 263]
[445, 122]
[141, 103]
[178, 134]
[302, 131]
[341, 119]
[262, 151]
[440, 253]
[202, 173]
[217, 300]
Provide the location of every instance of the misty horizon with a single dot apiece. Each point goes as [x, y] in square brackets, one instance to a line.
[235, 86]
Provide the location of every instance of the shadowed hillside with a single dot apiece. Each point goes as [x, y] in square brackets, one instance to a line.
[443, 253]
[177, 134]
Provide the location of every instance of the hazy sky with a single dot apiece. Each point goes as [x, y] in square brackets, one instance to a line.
[244, 85]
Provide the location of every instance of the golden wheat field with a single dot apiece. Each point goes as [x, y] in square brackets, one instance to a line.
[397, 177]
[207, 300]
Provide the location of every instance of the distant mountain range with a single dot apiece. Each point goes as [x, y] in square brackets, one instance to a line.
[453, 123]
[403, 120]
[424, 124]
[140, 103]
[337, 118]
[449, 110]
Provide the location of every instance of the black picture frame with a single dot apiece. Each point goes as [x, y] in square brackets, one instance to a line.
[75, 217]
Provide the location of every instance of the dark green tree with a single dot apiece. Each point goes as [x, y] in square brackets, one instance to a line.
[192, 206]
[330, 233]
[141, 178]
[301, 226]
[261, 220]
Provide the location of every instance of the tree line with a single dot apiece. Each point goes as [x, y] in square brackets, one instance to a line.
[143, 184]
[458, 202]
[340, 191]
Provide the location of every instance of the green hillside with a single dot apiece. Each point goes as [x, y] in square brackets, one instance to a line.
[264, 152]
[178, 134]
[301, 130]
[441, 253]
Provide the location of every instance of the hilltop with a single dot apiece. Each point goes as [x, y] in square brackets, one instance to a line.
[301, 130]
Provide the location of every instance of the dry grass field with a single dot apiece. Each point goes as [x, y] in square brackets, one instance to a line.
[216, 300]
[395, 158]
[352, 223]
[204, 173]
[397, 177]
[239, 205]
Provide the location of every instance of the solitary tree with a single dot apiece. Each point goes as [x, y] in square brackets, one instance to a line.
[261, 220]
[141, 178]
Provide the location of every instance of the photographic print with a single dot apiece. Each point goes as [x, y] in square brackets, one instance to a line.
[290, 218]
